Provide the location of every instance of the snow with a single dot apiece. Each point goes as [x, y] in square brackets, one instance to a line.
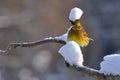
[48, 38]
[62, 37]
[75, 14]
[111, 64]
[72, 53]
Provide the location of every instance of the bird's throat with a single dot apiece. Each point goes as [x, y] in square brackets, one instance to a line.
[76, 25]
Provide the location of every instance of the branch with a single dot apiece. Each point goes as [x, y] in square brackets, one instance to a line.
[12, 46]
[95, 73]
[83, 70]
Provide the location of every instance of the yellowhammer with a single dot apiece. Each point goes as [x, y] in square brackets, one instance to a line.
[77, 32]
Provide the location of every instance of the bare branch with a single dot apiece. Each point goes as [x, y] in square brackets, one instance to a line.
[30, 44]
[83, 70]
[95, 73]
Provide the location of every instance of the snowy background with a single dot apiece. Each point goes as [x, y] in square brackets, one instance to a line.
[29, 20]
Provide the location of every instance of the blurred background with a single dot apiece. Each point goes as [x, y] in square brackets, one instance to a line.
[30, 20]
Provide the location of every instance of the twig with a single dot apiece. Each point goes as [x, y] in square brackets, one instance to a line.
[30, 44]
[95, 73]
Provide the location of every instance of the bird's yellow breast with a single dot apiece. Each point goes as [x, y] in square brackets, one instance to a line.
[78, 34]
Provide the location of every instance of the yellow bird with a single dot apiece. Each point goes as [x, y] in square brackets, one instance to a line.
[78, 34]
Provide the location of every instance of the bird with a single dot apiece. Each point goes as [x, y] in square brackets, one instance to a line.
[77, 33]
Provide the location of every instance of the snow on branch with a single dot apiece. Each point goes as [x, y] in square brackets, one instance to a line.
[82, 69]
